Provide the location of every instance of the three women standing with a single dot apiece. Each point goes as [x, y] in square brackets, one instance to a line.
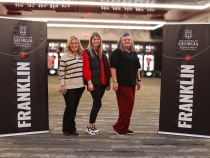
[72, 83]
[96, 72]
[93, 65]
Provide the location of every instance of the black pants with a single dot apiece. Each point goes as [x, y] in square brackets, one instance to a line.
[72, 98]
[97, 95]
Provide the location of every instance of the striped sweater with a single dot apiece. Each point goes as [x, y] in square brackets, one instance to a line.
[70, 71]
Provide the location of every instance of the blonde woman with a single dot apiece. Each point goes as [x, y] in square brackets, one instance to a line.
[96, 72]
[72, 83]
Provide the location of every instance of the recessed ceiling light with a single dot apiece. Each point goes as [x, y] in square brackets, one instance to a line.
[95, 20]
[111, 4]
[105, 26]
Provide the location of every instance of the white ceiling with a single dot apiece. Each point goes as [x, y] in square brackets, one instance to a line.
[85, 12]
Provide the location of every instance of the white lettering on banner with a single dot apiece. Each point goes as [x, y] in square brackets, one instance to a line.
[22, 40]
[16, 39]
[23, 94]
[188, 43]
[186, 96]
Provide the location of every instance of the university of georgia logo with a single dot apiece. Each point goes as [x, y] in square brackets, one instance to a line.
[188, 43]
[23, 30]
[22, 40]
[188, 34]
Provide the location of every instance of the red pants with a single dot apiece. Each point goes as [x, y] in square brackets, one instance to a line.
[125, 98]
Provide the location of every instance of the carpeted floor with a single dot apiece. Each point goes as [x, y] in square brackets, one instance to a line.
[145, 142]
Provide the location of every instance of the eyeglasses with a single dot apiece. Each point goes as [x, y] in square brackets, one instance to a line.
[126, 34]
[73, 37]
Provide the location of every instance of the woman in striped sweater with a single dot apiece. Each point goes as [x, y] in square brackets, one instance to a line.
[72, 82]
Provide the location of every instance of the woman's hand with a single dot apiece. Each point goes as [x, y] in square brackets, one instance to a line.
[63, 89]
[108, 88]
[90, 87]
[138, 86]
[115, 86]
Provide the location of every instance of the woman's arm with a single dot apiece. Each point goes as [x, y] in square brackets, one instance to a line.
[138, 86]
[114, 79]
[62, 74]
[86, 70]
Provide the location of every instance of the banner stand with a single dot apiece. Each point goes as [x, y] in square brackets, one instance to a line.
[182, 134]
[23, 77]
[25, 133]
[185, 86]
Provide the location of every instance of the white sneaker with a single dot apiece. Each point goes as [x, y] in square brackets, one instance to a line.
[95, 129]
[92, 131]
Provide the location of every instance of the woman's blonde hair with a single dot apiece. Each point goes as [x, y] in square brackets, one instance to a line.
[80, 48]
[120, 45]
[90, 45]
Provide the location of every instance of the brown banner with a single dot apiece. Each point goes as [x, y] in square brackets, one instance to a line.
[185, 86]
[23, 77]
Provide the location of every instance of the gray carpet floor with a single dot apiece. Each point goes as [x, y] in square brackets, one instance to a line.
[145, 142]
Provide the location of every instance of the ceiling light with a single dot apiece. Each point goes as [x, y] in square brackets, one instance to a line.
[103, 26]
[116, 8]
[96, 21]
[113, 4]
[105, 8]
[109, 23]
[158, 26]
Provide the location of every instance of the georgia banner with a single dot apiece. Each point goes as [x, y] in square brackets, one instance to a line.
[185, 83]
[23, 77]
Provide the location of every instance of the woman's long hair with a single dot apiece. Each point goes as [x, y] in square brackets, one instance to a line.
[80, 48]
[120, 45]
[90, 45]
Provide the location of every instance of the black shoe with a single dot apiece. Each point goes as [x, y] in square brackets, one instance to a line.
[66, 133]
[75, 133]
[129, 132]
